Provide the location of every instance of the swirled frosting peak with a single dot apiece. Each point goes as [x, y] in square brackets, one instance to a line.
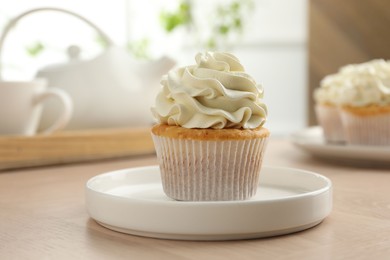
[215, 93]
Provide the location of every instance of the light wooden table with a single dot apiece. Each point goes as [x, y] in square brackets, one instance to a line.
[43, 216]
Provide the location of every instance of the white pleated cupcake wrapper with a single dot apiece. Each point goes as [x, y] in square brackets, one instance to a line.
[366, 130]
[330, 120]
[195, 170]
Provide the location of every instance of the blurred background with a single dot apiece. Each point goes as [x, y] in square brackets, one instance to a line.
[269, 36]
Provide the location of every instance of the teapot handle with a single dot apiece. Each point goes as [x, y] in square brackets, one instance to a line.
[14, 21]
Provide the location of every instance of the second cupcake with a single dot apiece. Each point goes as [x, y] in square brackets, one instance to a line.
[365, 103]
[327, 98]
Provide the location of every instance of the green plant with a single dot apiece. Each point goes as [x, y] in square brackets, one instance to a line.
[100, 41]
[229, 20]
[35, 49]
[174, 19]
[140, 48]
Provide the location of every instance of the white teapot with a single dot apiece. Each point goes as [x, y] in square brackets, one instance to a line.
[111, 90]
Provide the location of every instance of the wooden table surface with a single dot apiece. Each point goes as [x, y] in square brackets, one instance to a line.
[43, 216]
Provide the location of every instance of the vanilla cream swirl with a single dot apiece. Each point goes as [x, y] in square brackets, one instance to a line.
[357, 85]
[215, 93]
[330, 89]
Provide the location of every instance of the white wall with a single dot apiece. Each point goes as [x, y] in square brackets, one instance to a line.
[281, 69]
[275, 52]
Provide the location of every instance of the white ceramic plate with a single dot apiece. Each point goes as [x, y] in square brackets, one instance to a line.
[132, 201]
[312, 141]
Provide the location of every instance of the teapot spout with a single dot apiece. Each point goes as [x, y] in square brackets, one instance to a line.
[164, 64]
[157, 68]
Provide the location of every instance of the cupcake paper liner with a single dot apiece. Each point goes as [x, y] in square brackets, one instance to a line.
[330, 120]
[203, 170]
[366, 130]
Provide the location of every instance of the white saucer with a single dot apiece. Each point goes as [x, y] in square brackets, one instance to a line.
[132, 201]
[312, 141]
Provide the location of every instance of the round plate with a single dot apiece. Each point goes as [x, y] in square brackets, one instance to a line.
[132, 201]
[312, 141]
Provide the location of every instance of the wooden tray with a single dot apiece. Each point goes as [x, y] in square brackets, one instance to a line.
[73, 146]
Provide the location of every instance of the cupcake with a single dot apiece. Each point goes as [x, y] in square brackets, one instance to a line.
[210, 138]
[326, 108]
[365, 103]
